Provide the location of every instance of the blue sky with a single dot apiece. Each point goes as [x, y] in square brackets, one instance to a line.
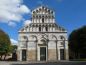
[70, 14]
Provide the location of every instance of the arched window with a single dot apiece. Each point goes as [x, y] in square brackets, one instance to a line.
[42, 20]
[37, 11]
[46, 28]
[52, 12]
[39, 28]
[62, 37]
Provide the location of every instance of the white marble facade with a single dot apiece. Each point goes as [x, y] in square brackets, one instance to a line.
[42, 39]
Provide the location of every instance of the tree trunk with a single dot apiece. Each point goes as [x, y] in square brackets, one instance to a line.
[78, 55]
[1, 57]
[5, 57]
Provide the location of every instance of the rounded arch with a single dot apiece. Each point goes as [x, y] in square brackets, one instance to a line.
[62, 37]
[25, 38]
[34, 38]
[36, 25]
[37, 11]
[43, 39]
[54, 38]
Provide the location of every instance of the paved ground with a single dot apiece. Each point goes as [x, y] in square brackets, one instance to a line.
[44, 63]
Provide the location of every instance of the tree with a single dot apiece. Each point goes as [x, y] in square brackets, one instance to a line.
[13, 48]
[5, 44]
[77, 42]
[14, 55]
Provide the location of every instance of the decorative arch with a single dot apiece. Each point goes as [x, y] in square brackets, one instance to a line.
[62, 37]
[45, 35]
[54, 37]
[35, 38]
[25, 38]
[43, 40]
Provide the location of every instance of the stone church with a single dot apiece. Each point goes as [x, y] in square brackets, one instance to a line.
[42, 39]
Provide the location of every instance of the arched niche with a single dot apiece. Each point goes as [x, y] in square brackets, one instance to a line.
[33, 38]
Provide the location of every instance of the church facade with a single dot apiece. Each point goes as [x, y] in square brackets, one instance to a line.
[42, 39]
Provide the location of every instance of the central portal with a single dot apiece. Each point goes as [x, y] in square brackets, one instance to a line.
[42, 53]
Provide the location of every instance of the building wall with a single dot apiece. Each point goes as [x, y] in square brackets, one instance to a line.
[31, 55]
[52, 54]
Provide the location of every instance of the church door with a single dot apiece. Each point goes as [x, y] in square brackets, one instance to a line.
[61, 54]
[23, 55]
[42, 53]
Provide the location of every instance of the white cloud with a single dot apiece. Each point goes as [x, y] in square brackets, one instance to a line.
[14, 42]
[12, 10]
[12, 24]
[24, 9]
[27, 22]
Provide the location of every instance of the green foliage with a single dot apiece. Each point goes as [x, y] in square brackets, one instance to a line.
[77, 41]
[13, 48]
[5, 43]
[4, 38]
